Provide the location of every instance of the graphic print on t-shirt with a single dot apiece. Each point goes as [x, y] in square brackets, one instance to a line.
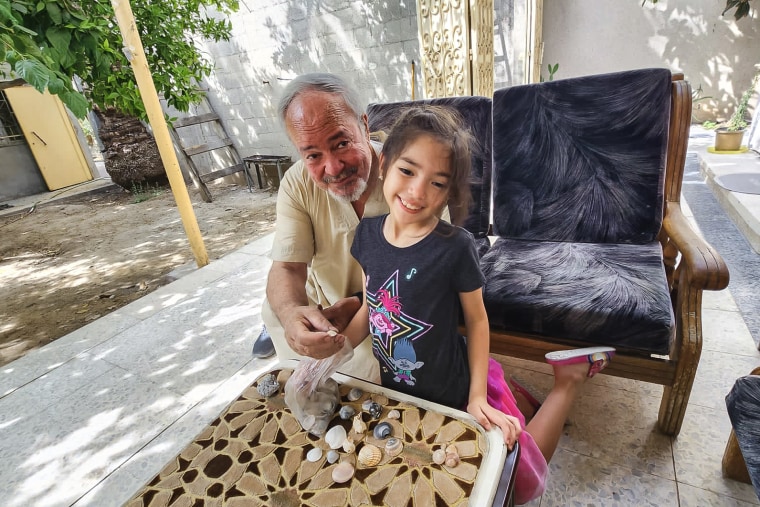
[393, 331]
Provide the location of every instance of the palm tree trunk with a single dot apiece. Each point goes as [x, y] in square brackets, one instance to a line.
[129, 151]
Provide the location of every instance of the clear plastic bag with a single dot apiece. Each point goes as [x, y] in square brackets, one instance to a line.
[311, 395]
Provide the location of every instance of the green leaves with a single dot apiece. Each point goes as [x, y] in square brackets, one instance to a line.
[49, 42]
[59, 38]
[33, 72]
[6, 15]
[75, 102]
[54, 12]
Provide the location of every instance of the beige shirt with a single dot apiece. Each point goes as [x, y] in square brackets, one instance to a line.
[316, 228]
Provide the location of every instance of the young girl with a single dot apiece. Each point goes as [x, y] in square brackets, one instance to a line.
[419, 271]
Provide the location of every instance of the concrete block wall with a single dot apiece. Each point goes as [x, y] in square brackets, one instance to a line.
[273, 41]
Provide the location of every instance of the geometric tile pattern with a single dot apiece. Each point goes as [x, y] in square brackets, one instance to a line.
[255, 454]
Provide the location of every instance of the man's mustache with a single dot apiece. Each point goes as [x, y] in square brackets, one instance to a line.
[345, 173]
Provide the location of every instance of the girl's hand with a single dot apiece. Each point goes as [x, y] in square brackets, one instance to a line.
[341, 313]
[487, 416]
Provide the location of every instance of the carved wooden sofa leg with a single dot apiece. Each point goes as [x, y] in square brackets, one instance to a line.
[687, 349]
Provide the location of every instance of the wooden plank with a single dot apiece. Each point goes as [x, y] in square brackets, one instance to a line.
[627, 364]
[211, 146]
[192, 168]
[733, 465]
[221, 173]
[195, 120]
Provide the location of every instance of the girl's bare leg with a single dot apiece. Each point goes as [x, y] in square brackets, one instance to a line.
[524, 406]
[548, 422]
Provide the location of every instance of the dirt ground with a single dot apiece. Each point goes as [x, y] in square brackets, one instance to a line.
[68, 263]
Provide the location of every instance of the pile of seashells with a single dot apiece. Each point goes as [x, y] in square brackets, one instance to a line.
[373, 445]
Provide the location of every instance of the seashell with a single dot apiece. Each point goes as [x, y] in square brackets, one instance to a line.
[335, 436]
[452, 459]
[332, 456]
[393, 447]
[283, 376]
[314, 455]
[439, 456]
[394, 414]
[354, 394]
[349, 446]
[359, 426]
[383, 430]
[369, 455]
[452, 456]
[268, 385]
[347, 412]
[343, 472]
[373, 408]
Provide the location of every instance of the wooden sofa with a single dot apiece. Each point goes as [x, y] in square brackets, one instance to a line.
[585, 242]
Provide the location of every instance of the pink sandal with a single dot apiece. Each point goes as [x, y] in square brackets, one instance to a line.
[597, 357]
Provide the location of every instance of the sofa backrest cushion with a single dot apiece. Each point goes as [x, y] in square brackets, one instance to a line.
[476, 113]
[582, 159]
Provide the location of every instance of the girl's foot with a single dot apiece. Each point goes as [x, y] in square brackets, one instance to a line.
[597, 358]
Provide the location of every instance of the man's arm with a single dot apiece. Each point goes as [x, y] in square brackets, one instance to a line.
[286, 286]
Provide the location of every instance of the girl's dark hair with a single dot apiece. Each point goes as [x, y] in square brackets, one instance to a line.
[446, 126]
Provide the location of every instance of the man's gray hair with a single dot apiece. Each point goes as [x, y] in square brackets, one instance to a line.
[322, 82]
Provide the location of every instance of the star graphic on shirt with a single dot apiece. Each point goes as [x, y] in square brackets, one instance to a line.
[401, 325]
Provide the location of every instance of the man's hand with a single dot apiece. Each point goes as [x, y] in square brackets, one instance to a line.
[341, 313]
[310, 333]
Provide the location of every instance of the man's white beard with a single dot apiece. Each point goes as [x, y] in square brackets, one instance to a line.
[361, 186]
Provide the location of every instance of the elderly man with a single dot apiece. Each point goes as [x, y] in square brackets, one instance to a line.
[320, 202]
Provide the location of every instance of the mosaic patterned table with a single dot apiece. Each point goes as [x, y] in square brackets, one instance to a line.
[255, 454]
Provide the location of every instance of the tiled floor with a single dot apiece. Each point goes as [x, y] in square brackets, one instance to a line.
[88, 419]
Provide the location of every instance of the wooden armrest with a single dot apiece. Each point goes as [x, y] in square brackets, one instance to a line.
[705, 267]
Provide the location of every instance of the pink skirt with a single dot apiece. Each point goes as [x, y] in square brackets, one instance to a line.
[532, 468]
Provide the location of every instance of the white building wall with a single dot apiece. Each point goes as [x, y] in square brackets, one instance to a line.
[715, 53]
[373, 44]
[273, 41]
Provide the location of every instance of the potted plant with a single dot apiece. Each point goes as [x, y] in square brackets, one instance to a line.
[729, 136]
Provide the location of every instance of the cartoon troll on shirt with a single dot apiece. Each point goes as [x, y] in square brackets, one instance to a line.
[404, 359]
[381, 318]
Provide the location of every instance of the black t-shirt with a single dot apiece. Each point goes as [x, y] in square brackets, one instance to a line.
[413, 299]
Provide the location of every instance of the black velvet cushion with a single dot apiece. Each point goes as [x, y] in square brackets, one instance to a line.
[743, 404]
[582, 159]
[610, 294]
[476, 113]
[579, 167]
